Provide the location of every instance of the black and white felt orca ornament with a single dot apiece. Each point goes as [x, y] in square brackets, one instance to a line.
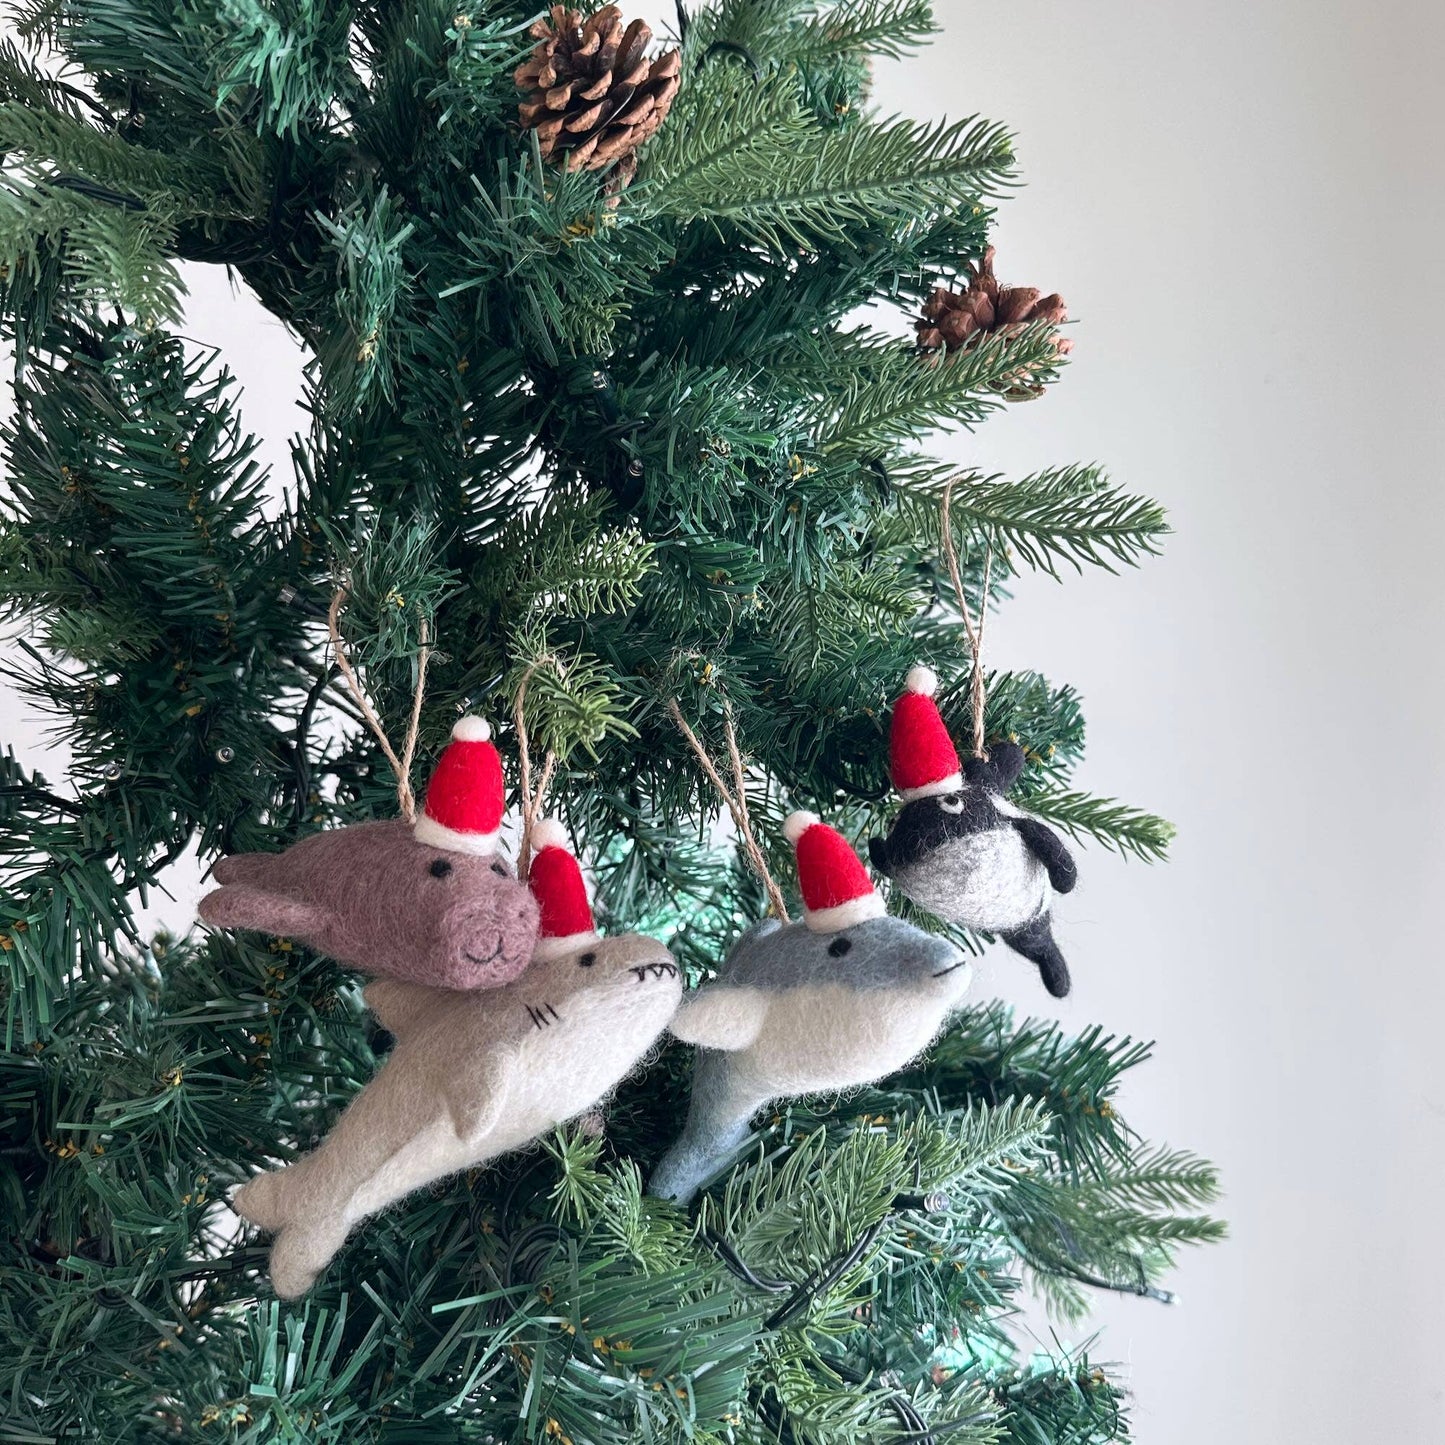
[959, 848]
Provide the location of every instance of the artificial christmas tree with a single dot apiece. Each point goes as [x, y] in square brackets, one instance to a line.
[625, 450]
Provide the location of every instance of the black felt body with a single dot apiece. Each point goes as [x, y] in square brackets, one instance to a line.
[1036, 943]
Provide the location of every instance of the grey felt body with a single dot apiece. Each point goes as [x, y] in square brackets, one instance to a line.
[989, 881]
[374, 898]
[795, 1012]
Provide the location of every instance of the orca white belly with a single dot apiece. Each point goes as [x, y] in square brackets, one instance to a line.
[987, 880]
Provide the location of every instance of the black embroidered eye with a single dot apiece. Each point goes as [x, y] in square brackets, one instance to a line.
[839, 947]
[587, 960]
[440, 868]
[952, 803]
[500, 869]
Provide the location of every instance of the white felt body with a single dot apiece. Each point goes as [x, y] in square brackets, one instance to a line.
[473, 1075]
[988, 880]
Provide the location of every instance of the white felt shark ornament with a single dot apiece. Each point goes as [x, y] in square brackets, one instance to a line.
[845, 997]
[475, 1074]
[959, 848]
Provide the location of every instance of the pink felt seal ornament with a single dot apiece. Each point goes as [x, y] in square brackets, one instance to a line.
[429, 902]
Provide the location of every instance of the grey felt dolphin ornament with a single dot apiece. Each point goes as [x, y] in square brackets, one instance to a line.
[473, 1075]
[843, 998]
[959, 848]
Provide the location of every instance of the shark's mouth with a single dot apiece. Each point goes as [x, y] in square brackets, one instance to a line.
[952, 968]
[640, 971]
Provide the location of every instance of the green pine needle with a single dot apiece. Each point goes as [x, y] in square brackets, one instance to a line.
[1117, 826]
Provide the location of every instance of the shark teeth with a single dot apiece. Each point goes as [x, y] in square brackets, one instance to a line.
[657, 970]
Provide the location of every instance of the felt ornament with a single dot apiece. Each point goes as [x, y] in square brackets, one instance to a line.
[473, 1075]
[428, 901]
[842, 998]
[959, 848]
[565, 924]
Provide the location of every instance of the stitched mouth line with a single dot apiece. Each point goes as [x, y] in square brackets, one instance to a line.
[492, 957]
[943, 973]
[657, 970]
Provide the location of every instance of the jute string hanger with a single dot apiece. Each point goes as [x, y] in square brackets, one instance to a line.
[735, 799]
[973, 629]
[532, 800]
[401, 766]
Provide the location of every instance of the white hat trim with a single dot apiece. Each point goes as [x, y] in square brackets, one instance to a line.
[951, 784]
[845, 915]
[546, 949]
[426, 829]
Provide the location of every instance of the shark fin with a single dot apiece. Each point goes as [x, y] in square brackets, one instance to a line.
[398, 1005]
[475, 1093]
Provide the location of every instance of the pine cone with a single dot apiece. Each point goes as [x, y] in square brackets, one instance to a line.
[592, 95]
[956, 320]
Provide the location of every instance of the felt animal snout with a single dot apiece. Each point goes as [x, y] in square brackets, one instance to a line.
[632, 961]
[376, 898]
[486, 940]
[630, 979]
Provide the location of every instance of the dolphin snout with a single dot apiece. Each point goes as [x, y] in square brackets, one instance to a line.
[951, 966]
[944, 956]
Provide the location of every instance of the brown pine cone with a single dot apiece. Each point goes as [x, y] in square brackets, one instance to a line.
[956, 320]
[592, 96]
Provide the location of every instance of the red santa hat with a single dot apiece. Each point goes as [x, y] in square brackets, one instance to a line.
[921, 755]
[556, 882]
[837, 891]
[464, 801]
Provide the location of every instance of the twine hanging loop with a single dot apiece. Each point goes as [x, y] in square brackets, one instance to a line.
[735, 799]
[532, 800]
[978, 699]
[401, 766]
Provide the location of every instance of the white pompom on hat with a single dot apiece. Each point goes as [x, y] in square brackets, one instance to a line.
[837, 891]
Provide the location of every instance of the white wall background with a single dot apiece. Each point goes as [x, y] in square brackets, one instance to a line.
[1242, 203]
